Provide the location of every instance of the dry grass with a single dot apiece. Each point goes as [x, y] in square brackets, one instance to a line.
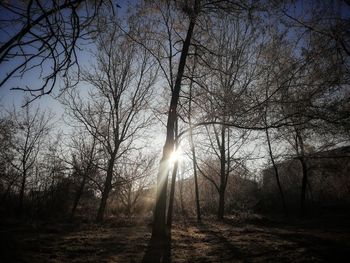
[240, 239]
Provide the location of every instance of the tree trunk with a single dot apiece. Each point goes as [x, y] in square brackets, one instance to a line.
[159, 230]
[300, 142]
[193, 150]
[129, 202]
[196, 184]
[106, 190]
[171, 196]
[303, 186]
[276, 173]
[172, 187]
[21, 193]
[159, 224]
[182, 203]
[221, 210]
[78, 196]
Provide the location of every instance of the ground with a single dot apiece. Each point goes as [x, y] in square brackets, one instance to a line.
[236, 239]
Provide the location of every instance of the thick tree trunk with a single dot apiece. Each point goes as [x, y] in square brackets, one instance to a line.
[172, 187]
[221, 210]
[276, 173]
[159, 225]
[106, 190]
[171, 196]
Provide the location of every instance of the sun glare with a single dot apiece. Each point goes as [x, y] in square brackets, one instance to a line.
[175, 156]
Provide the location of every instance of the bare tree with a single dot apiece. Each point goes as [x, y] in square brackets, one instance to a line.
[166, 53]
[43, 37]
[324, 20]
[195, 12]
[173, 182]
[32, 127]
[230, 158]
[84, 163]
[8, 175]
[159, 226]
[136, 174]
[122, 81]
[276, 75]
[230, 74]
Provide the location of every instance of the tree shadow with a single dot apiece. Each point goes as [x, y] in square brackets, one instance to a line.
[325, 248]
[230, 251]
[158, 250]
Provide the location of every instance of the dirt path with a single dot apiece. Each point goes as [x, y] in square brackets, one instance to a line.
[228, 241]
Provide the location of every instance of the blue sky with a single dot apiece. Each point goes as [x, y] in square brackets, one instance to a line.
[9, 97]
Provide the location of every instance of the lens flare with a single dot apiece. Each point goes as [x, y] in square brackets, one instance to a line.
[175, 156]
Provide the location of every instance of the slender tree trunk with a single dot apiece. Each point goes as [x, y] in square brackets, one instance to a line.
[222, 187]
[194, 160]
[21, 193]
[196, 183]
[107, 189]
[272, 157]
[83, 182]
[309, 190]
[159, 225]
[303, 186]
[78, 196]
[129, 202]
[182, 203]
[276, 173]
[304, 182]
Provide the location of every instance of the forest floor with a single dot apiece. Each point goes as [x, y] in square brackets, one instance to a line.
[236, 239]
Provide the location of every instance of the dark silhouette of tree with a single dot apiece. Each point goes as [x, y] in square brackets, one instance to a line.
[159, 225]
[31, 130]
[84, 163]
[44, 37]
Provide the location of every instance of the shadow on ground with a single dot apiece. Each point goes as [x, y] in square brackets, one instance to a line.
[211, 241]
[158, 251]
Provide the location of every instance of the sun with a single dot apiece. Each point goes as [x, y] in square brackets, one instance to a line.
[175, 156]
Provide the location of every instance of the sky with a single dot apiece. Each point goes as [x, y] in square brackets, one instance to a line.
[15, 98]
[9, 97]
